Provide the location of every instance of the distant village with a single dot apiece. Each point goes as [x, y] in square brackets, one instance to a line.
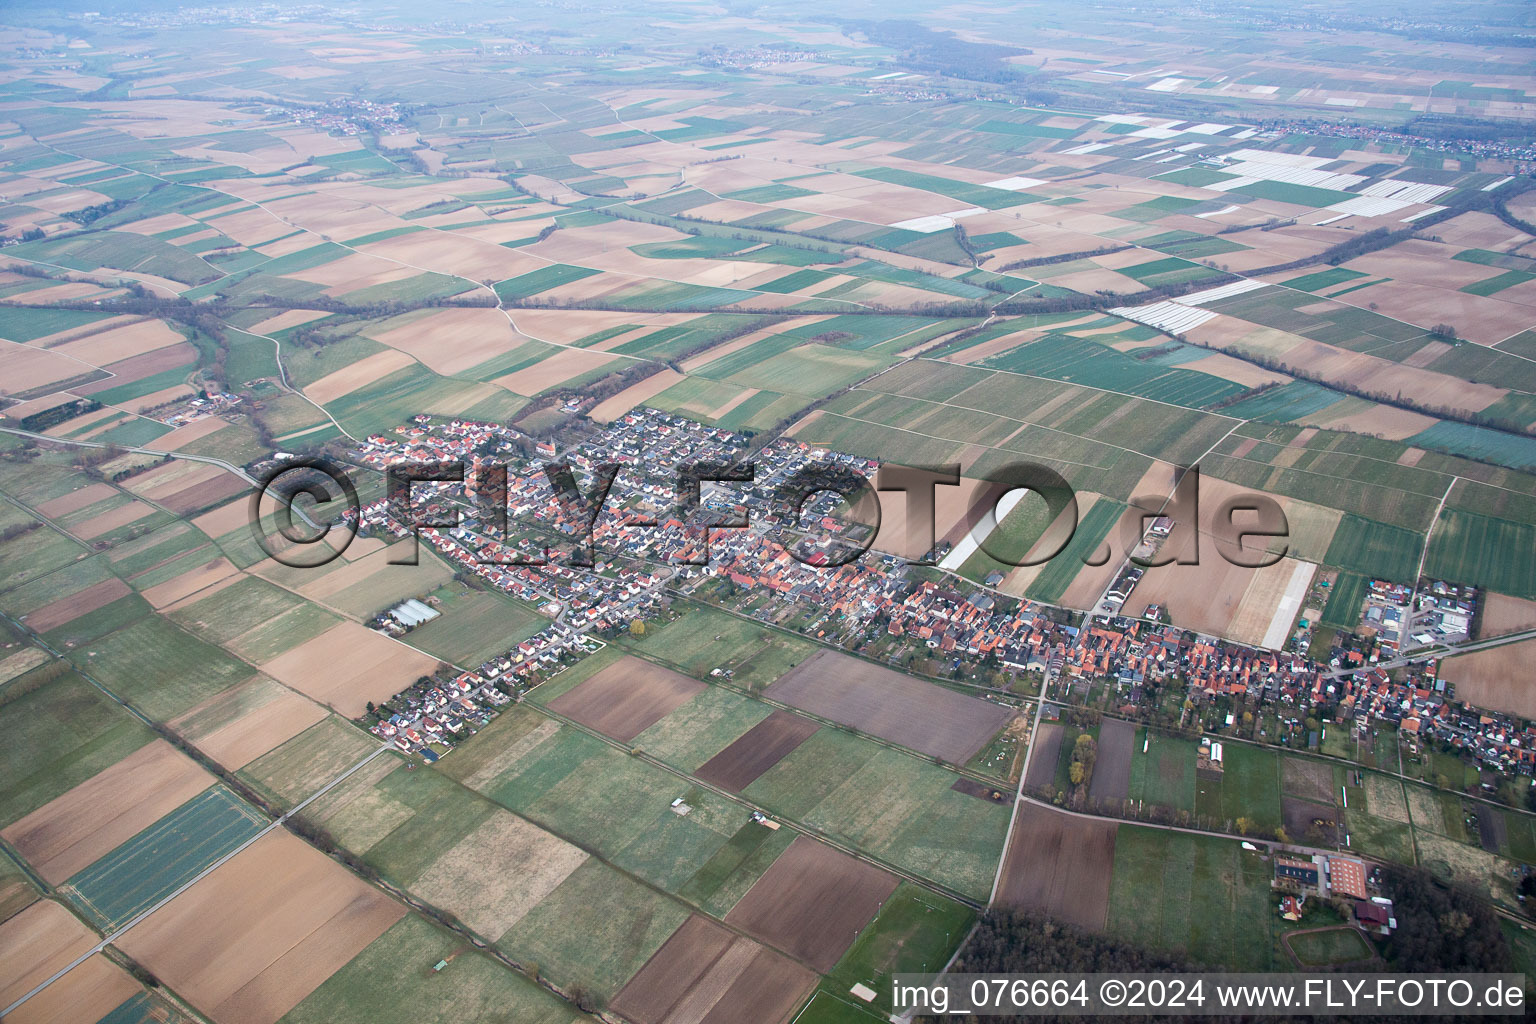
[646, 551]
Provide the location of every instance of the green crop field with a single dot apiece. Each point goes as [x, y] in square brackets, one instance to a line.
[1289, 401]
[541, 280]
[1084, 361]
[1498, 282]
[25, 324]
[1375, 549]
[1488, 552]
[187, 561]
[99, 623]
[163, 857]
[1092, 528]
[1301, 195]
[1345, 600]
[863, 331]
[1497, 446]
[1173, 270]
[1316, 281]
[1194, 896]
[978, 195]
[813, 370]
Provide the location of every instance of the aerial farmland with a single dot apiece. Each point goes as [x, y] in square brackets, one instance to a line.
[460, 558]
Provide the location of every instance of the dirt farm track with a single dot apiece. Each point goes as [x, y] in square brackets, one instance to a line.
[1059, 864]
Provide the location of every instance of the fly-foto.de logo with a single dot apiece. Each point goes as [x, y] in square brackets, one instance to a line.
[825, 514]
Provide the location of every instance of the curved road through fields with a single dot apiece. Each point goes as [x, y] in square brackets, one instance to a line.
[227, 466]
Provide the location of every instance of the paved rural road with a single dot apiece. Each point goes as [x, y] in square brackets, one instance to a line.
[1466, 647]
[210, 869]
[228, 466]
[1018, 795]
[242, 474]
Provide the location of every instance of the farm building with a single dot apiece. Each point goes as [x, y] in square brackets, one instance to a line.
[413, 613]
[1346, 876]
[1294, 870]
[1375, 917]
[1208, 760]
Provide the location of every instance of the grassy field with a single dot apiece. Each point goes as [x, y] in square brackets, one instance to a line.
[701, 728]
[890, 803]
[914, 933]
[578, 786]
[704, 639]
[244, 605]
[475, 625]
[33, 554]
[57, 737]
[1165, 774]
[302, 765]
[161, 669]
[267, 639]
[721, 882]
[409, 820]
[472, 987]
[581, 788]
[1332, 946]
[1249, 787]
[595, 930]
[1380, 837]
[1195, 896]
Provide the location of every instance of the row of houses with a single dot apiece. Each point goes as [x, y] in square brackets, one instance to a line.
[641, 523]
[437, 713]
